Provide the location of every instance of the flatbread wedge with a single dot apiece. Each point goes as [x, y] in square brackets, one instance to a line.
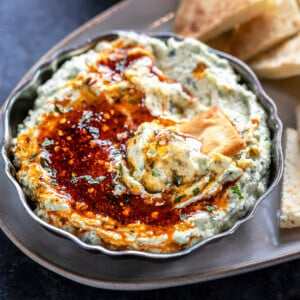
[290, 199]
[205, 19]
[280, 62]
[298, 120]
[221, 41]
[216, 132]
[266, 30]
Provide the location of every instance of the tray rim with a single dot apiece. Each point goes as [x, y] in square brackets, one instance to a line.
[147, 285]
[242, 268]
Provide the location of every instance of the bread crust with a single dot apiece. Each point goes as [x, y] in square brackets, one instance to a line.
[265, 31]
[216, 132]
[205, 19]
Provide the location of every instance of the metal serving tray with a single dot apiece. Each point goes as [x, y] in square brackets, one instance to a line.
[257, 243]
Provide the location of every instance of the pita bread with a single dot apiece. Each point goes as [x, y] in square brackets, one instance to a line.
[281, 62]
[290, 199]
[221, 41]
[216, 132]
[298, 120]
[266, 30]
[205, 19]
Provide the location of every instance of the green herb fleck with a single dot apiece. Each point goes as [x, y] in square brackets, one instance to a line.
[172, 52]
[33, 157]
[53, 181]
[44, 162]
[47, 142]
[74, 180]
[182, 216]
[152, 164]
[196, 191]
[237, 191]
[120, 66]
[172, 106]
[177, 179]
[151, 152]
[210, 208]
[88, 178]
[189, 80]
[58, 109]
[178, 198]
[155, 173]
[69, 108]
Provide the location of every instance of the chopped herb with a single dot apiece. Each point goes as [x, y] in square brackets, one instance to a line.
[182, 216]
[221, 93]
[58, 109]
[47, 142]
[120, 170]
[131, 231]
[177, 179]
[44, 162]
[189, 80]
[152, 164]
[151, 152]
[120, 66]
[178, 198]
[237, 191]
[117, 152]
[172, 52]
[155, 173]
[196, 191]
[245, 130]
[74, 180]
[210, 208]
[194, 85]
[228, 173]
[172, 106]
[122, 88]
[179, 162]
[69, 108]
[127, 200]
[89, 179]
[33, 157]
[53, 181]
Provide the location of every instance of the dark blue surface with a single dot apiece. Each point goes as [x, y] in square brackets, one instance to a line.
[28, 28]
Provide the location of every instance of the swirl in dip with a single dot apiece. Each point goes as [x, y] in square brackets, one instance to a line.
[143, 144]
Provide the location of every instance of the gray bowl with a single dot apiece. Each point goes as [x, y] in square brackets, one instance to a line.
[16, 108]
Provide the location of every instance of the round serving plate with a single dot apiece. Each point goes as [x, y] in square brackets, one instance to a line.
[257, 243]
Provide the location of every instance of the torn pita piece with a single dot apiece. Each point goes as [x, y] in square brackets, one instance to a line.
[281, 62]
[265, 31]
[205, 19]
[216, 132]
[290, 198]
[298, 120]
[221, 41]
